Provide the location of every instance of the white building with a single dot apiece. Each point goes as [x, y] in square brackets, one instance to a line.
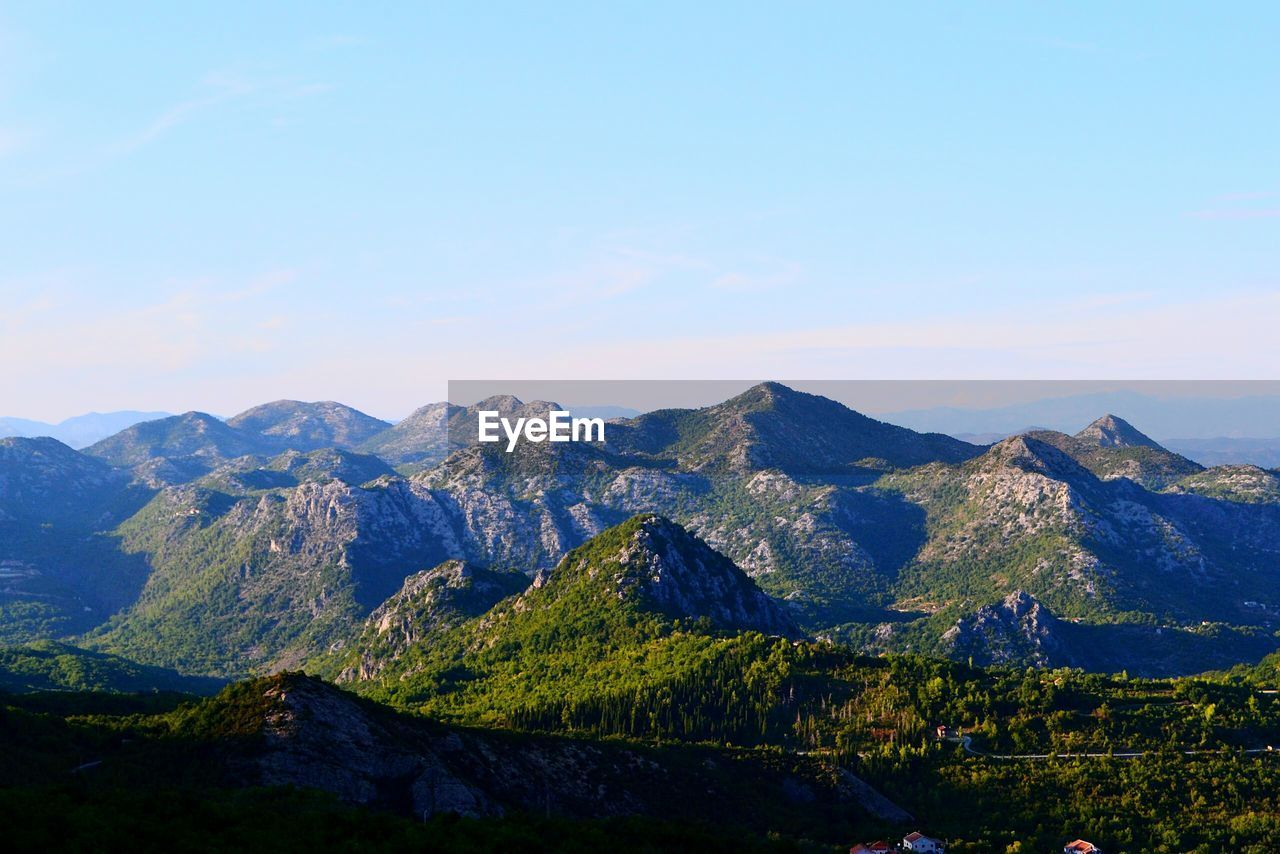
[918, 842]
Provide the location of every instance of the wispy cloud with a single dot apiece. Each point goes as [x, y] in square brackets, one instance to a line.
[744, 281]
[217, 89]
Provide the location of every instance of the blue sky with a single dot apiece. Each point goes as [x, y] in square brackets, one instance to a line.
[211, 205]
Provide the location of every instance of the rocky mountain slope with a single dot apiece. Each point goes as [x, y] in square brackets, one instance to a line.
[262, 579]
[1243, 484]
[630, 594]
[1112, 448]
[1027, 516]
[420, 439]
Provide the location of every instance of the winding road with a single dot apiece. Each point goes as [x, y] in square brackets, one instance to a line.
[967, 743]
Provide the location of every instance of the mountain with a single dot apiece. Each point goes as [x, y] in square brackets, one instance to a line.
[42, 481]
[812, 537]
[1112, 432]
[289, 757]
[428, 435]
[642, 591]
[302, 426]
[24, 427]
[80, 430]
[1026, 515]
[771, 426]
[178, 448]
[1176, 411]
[292, 736]
[312, 735]
[421, 438]
[653, 564]
[255, 558]
[261, 579]
[60, 572]
[1112, 448]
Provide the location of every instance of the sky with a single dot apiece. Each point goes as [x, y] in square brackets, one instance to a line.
[211, 205]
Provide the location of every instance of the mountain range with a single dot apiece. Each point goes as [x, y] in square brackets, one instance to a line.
[269, 540]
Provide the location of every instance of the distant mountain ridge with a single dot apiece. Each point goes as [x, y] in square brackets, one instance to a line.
[79, 431]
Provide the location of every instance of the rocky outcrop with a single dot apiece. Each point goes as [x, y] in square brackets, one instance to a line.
[676, 573]
[430, 603]
[1016, 630]
[314, 736]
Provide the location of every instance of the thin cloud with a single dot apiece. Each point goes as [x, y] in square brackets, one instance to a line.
[219, 87]
[216, 89]
[754, 282]
[1236, 213]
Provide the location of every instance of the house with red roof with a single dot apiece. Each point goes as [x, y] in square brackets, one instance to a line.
[877, 847]
[1081, 847]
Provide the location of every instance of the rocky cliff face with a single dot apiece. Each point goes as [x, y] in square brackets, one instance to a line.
[430, 603]
[271, 577]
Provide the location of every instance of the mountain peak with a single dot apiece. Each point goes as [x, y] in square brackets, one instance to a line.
[771, 426]
[504, 403]
[765, 395]
[307, 426]
[656, 564]
[1033, 453]
[1018, 628]
[1111, 431]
